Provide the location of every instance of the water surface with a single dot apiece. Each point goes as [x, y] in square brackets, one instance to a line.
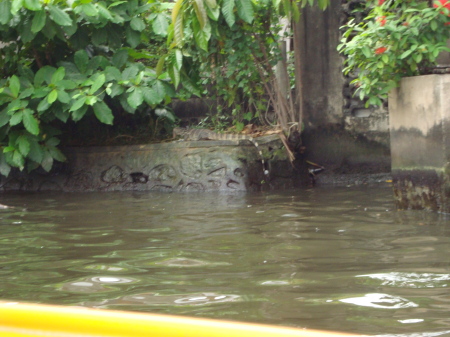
[325, 258]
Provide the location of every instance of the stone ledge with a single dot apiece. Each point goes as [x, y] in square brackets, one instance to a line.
[225, 166]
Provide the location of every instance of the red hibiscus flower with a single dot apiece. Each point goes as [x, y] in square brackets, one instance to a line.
[380, 2]
[380, 50]
[382, 20]
[444, 3]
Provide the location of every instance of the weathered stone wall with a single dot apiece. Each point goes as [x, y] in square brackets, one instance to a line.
[420, 129]
[340, 132]
[225, 166]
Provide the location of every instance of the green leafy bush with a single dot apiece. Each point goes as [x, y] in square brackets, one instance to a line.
[231, 47]
[64, 60]
[398, 38]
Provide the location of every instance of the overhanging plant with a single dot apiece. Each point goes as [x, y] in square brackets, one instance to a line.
[62, 60]
[397, 38]
[239, 35]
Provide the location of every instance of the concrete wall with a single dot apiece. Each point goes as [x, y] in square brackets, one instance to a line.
[420, 142]
[340, 132]
[223, 166]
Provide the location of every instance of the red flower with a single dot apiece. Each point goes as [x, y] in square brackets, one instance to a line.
[380, 2]
[444, 3]
[382, 20]
[380, 50]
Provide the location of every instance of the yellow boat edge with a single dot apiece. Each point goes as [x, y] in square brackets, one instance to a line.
[25, 320]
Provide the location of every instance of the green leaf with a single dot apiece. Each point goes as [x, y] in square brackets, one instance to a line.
[130, 73]
[18, 160]
[245, 10]
[78, 103]
[4, 167]
[33, 5]
[47, 161]
[406, 54]
[133, 37]
[120, 58]
[30, 122]
[81, 60]
[366, 51]
[99, 81]
[433, 25]
[27, 35]
[79, 113]
[91, 100]
[38, 21]
[58, 75]
[53, 141]
[67, 84]
[150, 96]
[89, 9]
[26, 93]
[190, 86]
[59, 16]
[103, 113]
[14, 85]
[104, 12]
[136, 98]
[160, 25]
[43, 105]
[159, 89]
[63, 96]
[200, 12]
[417, 57]
[16, 5]
[15, 105]
[174, 74]
[213, 14]
[4, 118]
[57, 154]
[137, 24]
[178, 30]
[36, 154]
[16, 118]
[178, 58]
[166, 114]
[211, 4]
[100, 36]
[43, 75]
[112, 74]
[61, 114]
[52, 96]
[228, 12]
[5, 11]
[23, 145]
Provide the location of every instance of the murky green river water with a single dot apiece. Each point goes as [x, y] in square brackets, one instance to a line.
[326, 258]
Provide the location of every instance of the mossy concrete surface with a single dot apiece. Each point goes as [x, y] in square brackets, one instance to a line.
[420, 143]
[178, 166]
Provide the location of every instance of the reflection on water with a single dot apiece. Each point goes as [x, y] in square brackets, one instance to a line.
[327, 258]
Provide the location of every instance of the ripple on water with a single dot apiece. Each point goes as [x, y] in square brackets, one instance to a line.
[380, 301]
[410, 280]
[110, 268]
[183, 262]
[154, 299]
[94, 284]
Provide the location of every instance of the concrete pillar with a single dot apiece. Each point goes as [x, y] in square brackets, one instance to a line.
[420, 142]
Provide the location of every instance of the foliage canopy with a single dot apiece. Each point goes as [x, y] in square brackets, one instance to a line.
[397, 38]
[68, 59]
